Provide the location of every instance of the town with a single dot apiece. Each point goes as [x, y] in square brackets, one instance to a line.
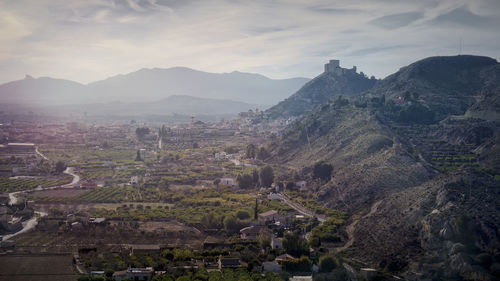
[129, 201]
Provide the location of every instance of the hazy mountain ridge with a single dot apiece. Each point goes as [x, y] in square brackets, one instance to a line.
[410, 182]
[160, 83]
[176, 104]
[147, 85]
[43, 90]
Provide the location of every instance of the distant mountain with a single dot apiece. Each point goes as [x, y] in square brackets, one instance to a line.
[42, 90]
[417, 162]
[147, 85]
[328, 85]
[156, 83]
[178, 104]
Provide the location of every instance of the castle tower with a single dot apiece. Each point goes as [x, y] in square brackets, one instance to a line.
[333, 67]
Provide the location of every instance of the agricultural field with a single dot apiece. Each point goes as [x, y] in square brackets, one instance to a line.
[443, 156]
[26, 183]
[57, 193]
[42, 267]
[191, 206]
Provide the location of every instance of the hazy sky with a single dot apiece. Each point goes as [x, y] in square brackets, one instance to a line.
[88, 40]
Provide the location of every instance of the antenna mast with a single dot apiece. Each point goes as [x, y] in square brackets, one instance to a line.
[460, 49]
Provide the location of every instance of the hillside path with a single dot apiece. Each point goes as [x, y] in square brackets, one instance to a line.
[352, 227]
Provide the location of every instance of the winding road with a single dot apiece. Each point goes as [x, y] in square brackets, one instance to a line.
[301, 209]
[349, 229]
[31, 223]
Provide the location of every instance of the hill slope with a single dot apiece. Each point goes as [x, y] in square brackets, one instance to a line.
[407, 184]
[446, 85]
[324, 87]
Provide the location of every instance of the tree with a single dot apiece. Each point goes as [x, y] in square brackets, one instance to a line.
[141, 132]
[256, 209]
[255, 177]
[210, 221]
[242, 215]
[231, 223]
[303, 264]
[264, 239]
[262, 154]
[244, 181]
[327, 263]
[60, 167]
[266, 176]
[251, 151]
[322, 171]
[217, 182]
[294, 244]
[138, 156]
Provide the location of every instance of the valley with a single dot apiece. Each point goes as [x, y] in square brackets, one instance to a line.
[350, 178]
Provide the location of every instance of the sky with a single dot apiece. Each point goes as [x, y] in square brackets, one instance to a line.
[90, 40]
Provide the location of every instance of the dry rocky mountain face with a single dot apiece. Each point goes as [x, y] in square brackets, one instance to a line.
[416, 165]
[326, 86]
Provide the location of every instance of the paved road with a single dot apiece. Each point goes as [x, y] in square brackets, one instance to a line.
[27, 225]
[31, 223]
[40, 154]
[301, 209]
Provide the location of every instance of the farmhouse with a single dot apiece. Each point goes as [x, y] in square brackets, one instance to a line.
[227, 181]
[269, 216]
[100, 221]
[144, 248]
[212, 242]
[229, 263]
[271, 266]
[17, 147]
[252, 232]
[301, 184]
[134, 274]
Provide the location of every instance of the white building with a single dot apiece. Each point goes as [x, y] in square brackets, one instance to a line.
[227, 181]
[277, 243]
[134, 180]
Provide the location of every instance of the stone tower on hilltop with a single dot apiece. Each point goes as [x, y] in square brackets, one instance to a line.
[334, 67]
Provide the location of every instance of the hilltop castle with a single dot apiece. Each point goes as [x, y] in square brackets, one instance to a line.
[334, 67]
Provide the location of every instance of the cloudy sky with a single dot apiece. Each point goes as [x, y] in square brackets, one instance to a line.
[89, 40]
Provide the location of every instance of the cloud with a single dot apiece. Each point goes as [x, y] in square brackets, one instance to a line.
[397, 20]
[462, 16]
[88, 40]
[374, 50]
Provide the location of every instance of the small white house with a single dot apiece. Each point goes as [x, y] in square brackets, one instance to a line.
[301, 184]
[277, 243]
[134, 180]
[220, 156]
[227, 181]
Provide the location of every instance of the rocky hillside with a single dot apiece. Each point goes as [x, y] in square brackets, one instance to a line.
[324, 87]
[446, 85]
[416, 165]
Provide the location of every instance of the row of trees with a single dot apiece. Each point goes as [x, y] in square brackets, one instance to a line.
[264, 177]
[253, 152]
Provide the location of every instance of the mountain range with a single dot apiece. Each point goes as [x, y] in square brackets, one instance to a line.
[150, 85]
